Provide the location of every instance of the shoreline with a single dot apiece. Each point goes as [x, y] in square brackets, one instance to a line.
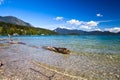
[26, 62]
[17, 68]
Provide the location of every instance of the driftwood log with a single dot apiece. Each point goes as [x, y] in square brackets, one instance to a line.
[59, 50]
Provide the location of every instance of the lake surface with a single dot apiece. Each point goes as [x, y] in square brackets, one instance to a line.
[78, 44]
[92, 57]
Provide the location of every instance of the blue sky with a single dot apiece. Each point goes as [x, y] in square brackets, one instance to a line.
[72, 14]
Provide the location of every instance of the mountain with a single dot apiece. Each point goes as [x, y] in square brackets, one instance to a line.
[13, 20]
[65, 31]
[12, 29]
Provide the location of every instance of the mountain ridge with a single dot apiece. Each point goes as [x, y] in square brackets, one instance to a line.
[65, 31]
[14, 20]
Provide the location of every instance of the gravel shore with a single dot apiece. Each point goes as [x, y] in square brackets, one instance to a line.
[24, 62]
[19, 64]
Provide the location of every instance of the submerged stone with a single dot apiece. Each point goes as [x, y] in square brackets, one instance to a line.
[59, 50]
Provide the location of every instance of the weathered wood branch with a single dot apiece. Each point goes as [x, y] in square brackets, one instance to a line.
[59, 50]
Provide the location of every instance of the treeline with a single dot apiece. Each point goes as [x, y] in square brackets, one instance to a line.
[7, 28]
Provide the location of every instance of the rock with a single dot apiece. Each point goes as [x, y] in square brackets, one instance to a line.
[1, 63]
[14, 42]
[3, 39]
[59, 50]
[21, 43]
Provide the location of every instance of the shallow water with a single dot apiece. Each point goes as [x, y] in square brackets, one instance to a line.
[77, 44]
[92, 57]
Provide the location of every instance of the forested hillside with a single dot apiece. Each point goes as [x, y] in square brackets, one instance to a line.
[7, 28]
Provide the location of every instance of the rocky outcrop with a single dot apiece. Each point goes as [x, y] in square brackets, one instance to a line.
[59, 50]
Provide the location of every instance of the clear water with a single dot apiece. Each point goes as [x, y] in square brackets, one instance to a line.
[77, 44]
[92, 57]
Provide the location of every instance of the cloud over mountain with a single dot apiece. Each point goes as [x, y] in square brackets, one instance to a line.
[83, 24]
[86, 25]
[115, 29]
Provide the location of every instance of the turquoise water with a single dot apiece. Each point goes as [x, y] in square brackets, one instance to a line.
[77, 44]
[92, 57]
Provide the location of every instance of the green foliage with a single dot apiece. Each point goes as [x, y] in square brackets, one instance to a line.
[7, 28]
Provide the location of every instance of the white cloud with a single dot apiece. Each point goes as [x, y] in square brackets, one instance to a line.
[1, 1]
[85, 27]
[89, 25]
[65, 27]
[114, 30]
[74, 22]
[59, 18]
[97, 29]
[92, 23]
[99, 15]
[83, 24]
